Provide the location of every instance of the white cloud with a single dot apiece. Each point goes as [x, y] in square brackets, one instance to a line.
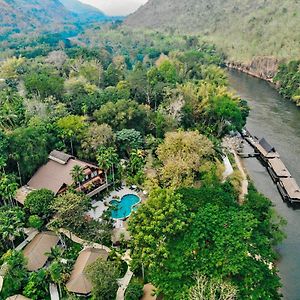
[116, 7]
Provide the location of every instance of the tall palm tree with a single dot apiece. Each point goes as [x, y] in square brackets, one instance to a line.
[8, 187]
[77, 175]
[107, 158]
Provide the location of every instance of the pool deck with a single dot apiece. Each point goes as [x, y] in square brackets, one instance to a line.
[100, 207]
[119, 194]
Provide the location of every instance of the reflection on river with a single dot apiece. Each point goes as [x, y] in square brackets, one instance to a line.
[277, 120]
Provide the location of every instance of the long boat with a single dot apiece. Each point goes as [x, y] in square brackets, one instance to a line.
[277, 169]
[286, 184]
[289, 190]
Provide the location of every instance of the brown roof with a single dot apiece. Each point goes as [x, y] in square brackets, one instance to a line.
[291, 187]
[56, 172]
[279, 168]
[17, 297]
[149, 290]
[36, 249]
[265, 153]
[78, 282]
[60, 157]
[22, 193]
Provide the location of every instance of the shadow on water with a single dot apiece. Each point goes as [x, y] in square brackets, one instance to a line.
[278, 120]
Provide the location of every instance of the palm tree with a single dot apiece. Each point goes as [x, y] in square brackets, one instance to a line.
[107, 158]
[103, 161]
[77, 175]
[8, 187]
[113, 160]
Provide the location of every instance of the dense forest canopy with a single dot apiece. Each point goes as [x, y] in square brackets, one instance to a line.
[149, 109]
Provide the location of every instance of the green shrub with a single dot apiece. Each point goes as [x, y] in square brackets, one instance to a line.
[134, 290]
[35, 222]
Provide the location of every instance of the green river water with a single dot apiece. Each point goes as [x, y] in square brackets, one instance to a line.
[278, 120]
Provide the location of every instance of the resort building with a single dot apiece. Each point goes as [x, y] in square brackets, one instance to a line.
[35, 251]
[56, 176]
[78, 282]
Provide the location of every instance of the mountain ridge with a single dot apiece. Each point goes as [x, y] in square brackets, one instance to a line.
[84, 11]
[243, 29]
[40, 16]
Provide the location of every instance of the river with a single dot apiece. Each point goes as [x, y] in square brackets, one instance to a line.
[278, 120]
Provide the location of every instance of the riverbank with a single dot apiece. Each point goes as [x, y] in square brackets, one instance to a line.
[260, 67]
[278, 121]
[264, 73]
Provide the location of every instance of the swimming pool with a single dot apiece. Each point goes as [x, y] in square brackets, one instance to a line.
[125, 206]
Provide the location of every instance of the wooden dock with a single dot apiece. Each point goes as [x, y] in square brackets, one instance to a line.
[286, 184]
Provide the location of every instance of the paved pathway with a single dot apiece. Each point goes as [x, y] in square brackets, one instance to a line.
[80, 241]
[123, 284]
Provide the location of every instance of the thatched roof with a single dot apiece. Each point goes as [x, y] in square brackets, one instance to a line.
[36, 249]
[78, 282]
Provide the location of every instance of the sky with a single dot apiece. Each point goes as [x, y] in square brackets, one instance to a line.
[116, 7]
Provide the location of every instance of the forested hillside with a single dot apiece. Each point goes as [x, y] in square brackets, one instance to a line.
[242, 29]
[32, 16]
[85, 12]
[19, 18]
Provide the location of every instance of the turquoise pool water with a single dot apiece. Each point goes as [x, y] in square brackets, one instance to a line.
[125, 206]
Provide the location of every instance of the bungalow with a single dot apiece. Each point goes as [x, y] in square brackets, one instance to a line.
[56, 176]
[35, 251]
[78, 282]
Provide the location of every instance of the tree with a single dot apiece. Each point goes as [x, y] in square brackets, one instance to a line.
[57, 58]
[182, 154]
[174, 237]
[205, 289]
[28, 149]
[225, 115]
[128, 139]
[70, 211]
[123, 114]
[44, 83]
[103, 276]
[35, 222]
[72, 128]
[8, 187]
[15, 275]
[37, 286]
[168, 72]
[57, 274]
[12, 221]
[112, 76]
[39, 202]
[77, 175]
[107, 158]
[95, 137]
[11, 69]
[12, 111]
[134, 290]
[160, 219]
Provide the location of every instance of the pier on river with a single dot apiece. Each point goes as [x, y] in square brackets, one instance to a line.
[286, 184]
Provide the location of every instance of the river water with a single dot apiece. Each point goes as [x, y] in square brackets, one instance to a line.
[278, 120]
